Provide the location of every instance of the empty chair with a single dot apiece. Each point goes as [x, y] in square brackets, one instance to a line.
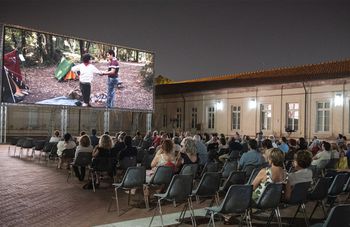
[189, 169]
[19, 145]
[236, 201]
[127, 162]
[270, 199]
[346, 188]
[38, 146]
[236, 177]
[229, 167]
[134, 178]
[13, 142]
[338, 217]
[248, 169]
[252, 176]
[48, 147]
[27, 144]
[336, 188]
[179, 190]
[208, 187]
[210, 167]
[161, 178]
[82, 161]
[299, 197]
[319, 193]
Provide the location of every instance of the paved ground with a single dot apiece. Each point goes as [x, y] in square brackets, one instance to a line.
[33, 193]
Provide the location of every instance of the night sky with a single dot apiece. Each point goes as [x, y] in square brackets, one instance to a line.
[192, 38]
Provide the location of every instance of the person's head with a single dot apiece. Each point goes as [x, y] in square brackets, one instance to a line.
[189, 146]
[253, 145]
[138, 133]
[292, 142]
[82, 133]
[223, 140]
[107, 133]
[342, 153]
[197, 138]
[128, 141]
[276, 157]
[93, 132]
[105, 142]
[155, 133]
[326, 146]
[177, 140]
[302, 143]
[110, 54]
[267, 144]
[57, 133]
[84, 141]
[86, 58]
[67, 137]
[121, 137]
[303, 159]
[340, 136]
[284, 139]
[334, 146]
[167, 146]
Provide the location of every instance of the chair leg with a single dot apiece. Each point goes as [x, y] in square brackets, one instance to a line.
[161, 213]
[248, 219]
[270, 218]
[93, 181]
[183, 213]
[129, 197]
[212, 220]
[117, 200]
[278, 215]
[193, 217]
[305, 216]
[313, 210]
[296, 213]
[154, 213]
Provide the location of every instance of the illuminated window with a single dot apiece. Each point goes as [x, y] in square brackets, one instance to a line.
[235, 117]
[323, 114]
[211, 117]
[178, 117]
[194, 119]
[293, 116]
[265, 116]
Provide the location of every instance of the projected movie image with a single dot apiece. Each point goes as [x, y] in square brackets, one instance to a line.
[42, 68]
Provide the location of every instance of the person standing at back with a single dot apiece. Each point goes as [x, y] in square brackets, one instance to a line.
[112, 73]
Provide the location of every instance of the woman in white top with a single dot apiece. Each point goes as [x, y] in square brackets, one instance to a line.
[67, 143]
[87, 71]
[165, 156]
[84, 146]
[55, 138]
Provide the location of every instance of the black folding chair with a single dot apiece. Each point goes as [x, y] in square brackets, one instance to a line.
[318, 194]
[236, 201]
[179, 190]
[338, 217]
[101, 164]
[190, 169]
[208, 187]
[236, 177]
[83, 160]
[134, 178]
[336, 188]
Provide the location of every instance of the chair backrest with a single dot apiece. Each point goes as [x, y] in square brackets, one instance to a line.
[134, 177]
[338, 216]
[253, 175]
[210, 167]
[248, 169]
[180, 188]
[39, 144]
[102, 164]
[83, 159]
[208, 185]
[140, 155]
[320, 190]
[189, 169]
[237, 199]
[48, 146]
[162, 176]
[337, 184]
[228, 168]
[347, 185]
[299, 193]
[236, 177]
[322, 164]
[332, 163]
[13, 141]
[68, 153]
[234, 155]
[271, 196]
[127, 162]
[28, 143]
[147, 160]
[20, 142]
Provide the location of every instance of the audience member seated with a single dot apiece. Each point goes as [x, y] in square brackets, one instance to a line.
[177, 146]
[84, 146]
[315, 146]
[147, 141]
[235, 148]
[301, 144]
[67, 143]
[56, 137]
[324, 154]
[302, 174]
[343, 161]
[118, 146]
[129, 150]
[188, 154]
[334, 151]
[93, 138]
[201, 150]
[137, 140]
[165, 156]
[273, 174]
[101, 150]
[252, 157]
[163, 137]
[266, 148]
[284, 145]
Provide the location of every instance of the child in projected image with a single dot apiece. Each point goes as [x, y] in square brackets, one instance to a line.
[87, 70]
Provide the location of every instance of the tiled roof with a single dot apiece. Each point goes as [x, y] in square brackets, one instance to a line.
[322, 71]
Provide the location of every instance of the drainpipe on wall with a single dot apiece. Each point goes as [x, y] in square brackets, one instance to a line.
[281, 111]
[305, 109]
[256, 109]
[343, 112]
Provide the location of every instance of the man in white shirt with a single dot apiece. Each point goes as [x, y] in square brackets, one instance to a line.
[325, 154]
[87, 71]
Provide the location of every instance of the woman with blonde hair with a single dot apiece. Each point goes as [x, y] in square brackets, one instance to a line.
[103, 148]
[188, 154]
[273, 174]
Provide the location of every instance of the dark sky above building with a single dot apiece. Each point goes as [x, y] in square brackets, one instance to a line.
[193, 38]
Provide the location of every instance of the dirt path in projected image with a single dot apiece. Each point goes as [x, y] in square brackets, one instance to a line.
[133, 94]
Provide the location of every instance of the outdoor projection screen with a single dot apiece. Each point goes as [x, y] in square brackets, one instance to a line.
[37, 70]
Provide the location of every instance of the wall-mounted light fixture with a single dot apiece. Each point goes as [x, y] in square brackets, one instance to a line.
[219, 105]
[252, 103]
[338, 99]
